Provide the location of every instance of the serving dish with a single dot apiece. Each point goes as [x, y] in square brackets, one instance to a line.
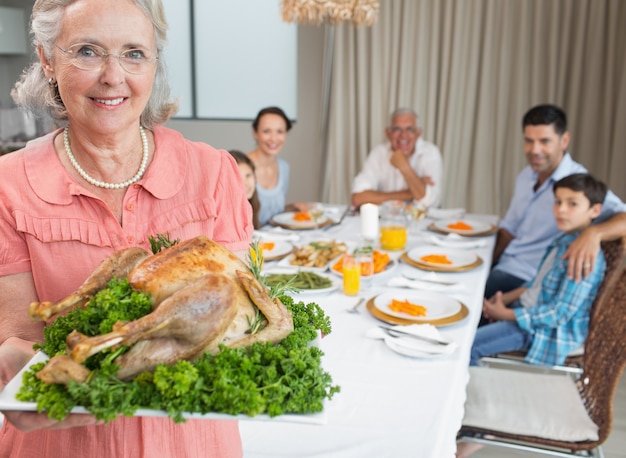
[8, 401]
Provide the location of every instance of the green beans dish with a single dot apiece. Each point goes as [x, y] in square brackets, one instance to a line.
[300, 280]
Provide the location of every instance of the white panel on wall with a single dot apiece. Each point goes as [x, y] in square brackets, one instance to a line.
[12, 31]
[178, 54]
[245, 58]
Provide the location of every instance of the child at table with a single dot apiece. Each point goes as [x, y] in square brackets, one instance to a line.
[549, 315]
[246, 170]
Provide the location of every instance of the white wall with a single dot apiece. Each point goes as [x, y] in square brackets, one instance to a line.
[303, 147]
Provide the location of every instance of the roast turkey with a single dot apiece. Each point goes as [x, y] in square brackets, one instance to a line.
[202, 296]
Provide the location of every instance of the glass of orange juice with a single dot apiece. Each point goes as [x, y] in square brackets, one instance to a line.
[393, 230]
[351, 275]
[393, 237]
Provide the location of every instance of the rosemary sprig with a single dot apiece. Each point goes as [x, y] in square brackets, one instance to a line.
[255, 260]
[161, 241]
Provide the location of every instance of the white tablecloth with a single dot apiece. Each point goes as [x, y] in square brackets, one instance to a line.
[389, 405]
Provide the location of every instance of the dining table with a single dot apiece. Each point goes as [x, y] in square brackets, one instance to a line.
[389, 404]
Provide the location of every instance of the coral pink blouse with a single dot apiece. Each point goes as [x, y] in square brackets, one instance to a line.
[53, 227]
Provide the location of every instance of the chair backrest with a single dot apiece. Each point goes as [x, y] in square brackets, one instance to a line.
[605, 348]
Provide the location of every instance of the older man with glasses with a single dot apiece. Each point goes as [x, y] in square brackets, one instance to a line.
[406, 168]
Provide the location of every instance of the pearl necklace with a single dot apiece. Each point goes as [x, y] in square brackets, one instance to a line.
[103, 184]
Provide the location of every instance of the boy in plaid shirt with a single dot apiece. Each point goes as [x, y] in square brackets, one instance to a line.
[549, 315]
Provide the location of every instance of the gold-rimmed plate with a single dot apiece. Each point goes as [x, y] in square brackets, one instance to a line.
[425, 258]
[437, 305]
[288, 220]
[464, 227]
[376, 313]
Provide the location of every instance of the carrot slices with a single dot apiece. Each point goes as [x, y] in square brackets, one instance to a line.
[269, 246]
[436, 259]
[380, 261]
[407, 307]
[460, 226]
[302, 216]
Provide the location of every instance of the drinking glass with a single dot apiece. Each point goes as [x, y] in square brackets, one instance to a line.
[416, 212]
[351, 275]
[365, 259]
[316, 210]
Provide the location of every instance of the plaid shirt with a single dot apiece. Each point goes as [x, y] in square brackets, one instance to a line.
[559, 321]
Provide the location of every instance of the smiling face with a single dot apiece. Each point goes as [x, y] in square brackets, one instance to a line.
[110, 99]
[271, 134]
[544, 148]
[403, 133]
[572, 210]
[249, 181]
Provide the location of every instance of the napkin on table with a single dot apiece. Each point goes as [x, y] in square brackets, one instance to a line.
[409, 346]
[424, 285]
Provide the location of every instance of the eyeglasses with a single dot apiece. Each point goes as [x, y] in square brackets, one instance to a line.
[92, 58]
[408, 130]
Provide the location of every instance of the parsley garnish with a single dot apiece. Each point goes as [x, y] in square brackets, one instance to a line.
[263, 378]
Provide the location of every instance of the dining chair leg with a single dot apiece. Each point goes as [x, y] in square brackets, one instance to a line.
[503, 443]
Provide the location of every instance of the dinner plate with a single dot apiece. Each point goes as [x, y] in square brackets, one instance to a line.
[391, 265]
[474, 229]
[335, 282]
[456, 241]
[8, 401]
[464, 312]
[429, 256]
[438, 306]
[278, 250]
[286, 220]
[458, 265]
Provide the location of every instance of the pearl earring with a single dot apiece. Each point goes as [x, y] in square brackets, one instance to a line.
[52, 82]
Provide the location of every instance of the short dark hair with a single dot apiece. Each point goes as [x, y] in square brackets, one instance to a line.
[271, 110]
[546, 115]
[594, 189]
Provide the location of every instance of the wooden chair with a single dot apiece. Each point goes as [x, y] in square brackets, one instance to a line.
[499, 418]
[614, 251]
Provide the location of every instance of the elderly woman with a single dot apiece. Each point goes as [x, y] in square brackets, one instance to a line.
[108, 179]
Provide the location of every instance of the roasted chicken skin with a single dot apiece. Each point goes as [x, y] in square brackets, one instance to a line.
[202, 294]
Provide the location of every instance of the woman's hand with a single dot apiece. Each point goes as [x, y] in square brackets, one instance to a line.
[14, 354]
[32, 421]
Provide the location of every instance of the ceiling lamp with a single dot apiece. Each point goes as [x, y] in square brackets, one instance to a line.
[358, 12]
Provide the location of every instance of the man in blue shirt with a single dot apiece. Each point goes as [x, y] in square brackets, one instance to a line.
[528, 226]
[549, 316]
